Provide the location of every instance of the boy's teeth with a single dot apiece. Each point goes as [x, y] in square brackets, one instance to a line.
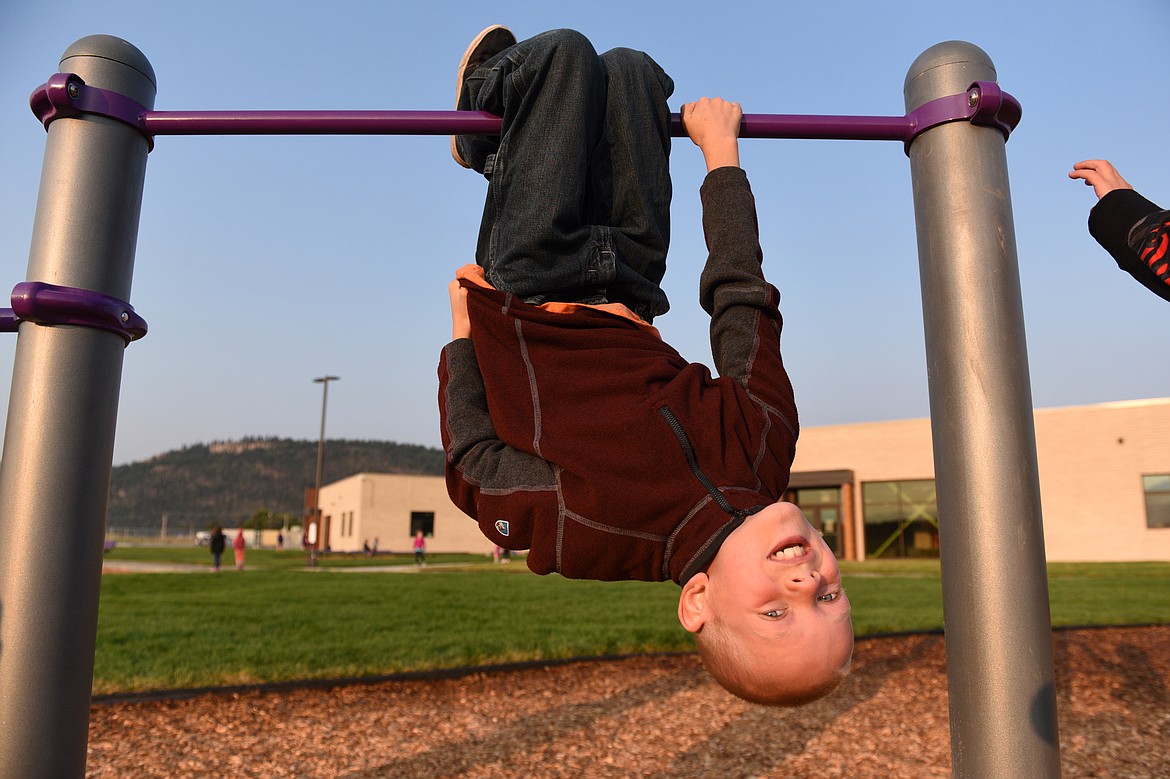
[792, 551]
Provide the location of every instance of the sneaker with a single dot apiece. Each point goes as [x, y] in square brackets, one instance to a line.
[490, 42]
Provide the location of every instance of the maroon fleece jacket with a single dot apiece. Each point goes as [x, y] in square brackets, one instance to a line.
[587, 440]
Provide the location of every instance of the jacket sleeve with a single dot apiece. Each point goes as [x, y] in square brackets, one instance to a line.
[1137, 235]
[487, 479]
[745, 318]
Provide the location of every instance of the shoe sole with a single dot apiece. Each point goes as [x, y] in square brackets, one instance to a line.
[461, 73]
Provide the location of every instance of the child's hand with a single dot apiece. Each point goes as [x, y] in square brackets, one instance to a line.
[460, 322]
[713, 125]
[1100, 175]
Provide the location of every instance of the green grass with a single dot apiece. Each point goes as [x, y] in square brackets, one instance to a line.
[180, 630]
[1109, 593]
[278, 621]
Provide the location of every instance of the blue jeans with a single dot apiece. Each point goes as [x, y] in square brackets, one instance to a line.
[578, 201]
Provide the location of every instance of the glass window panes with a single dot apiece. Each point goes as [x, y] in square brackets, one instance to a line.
[901, 518]
[1157, 489]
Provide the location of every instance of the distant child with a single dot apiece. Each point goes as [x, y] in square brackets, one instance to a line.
[217, 543]
[1132, 229]
[420, 548]
[238, 547]
[570, 428]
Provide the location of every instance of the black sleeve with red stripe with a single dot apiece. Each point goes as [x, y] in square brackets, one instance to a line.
[1136, 232]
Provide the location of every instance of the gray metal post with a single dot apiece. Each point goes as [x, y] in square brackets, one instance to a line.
[318, 539]
[995, 587]
[58, 447]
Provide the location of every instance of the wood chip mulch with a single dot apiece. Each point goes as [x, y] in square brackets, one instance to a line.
[652, 716]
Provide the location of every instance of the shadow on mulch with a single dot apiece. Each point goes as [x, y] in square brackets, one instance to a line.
[646, 716]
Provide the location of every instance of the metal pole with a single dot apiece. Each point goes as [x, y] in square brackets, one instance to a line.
[324, 382]
[58, 446]
[995, 588]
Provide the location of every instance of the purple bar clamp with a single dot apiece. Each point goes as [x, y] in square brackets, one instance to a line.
[66, 95]
[49, 304]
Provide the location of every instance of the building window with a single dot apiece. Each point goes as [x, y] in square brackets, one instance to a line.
[424, 521]
[822, 508]
[1157, 489]
[901, 518]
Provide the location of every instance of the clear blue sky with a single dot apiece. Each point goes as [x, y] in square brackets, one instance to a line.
[263, 262]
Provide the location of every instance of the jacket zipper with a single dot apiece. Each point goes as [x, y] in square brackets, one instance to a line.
[693, 462]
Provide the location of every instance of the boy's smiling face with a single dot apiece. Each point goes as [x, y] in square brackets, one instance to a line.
[774, 590]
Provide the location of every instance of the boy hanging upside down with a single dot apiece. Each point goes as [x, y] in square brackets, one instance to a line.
[570, 428]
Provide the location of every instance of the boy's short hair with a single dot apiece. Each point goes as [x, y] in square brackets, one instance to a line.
[758, 679]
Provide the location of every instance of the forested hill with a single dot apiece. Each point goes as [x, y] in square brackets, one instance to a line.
[228, 482]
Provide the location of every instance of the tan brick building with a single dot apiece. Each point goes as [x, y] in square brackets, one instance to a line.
[386, 509]
[1104, 484]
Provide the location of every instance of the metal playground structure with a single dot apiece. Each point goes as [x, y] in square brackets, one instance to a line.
[74, 324]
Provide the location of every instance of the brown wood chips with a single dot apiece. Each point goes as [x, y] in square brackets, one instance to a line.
[658, 717]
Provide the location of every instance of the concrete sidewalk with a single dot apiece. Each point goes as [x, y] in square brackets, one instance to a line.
[405, 568]
[139, 566]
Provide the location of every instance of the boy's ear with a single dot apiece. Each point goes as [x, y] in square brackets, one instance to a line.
[692, 603]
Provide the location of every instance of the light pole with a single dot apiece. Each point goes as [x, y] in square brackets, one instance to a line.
[316, 519]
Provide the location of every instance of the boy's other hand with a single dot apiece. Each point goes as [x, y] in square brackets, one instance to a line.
[713, 125]
[460, 322]
[1100, 175]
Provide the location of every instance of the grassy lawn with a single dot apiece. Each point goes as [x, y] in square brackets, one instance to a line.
[179, 630]
[278, 621]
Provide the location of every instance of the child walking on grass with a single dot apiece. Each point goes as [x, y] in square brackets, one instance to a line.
[570, 428]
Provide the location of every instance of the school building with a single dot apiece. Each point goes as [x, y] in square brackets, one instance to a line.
[385, 509]
[869, 488]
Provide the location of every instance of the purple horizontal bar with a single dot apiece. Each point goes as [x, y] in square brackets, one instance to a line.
[66, 95]
[319, 123]
[894, 128]
[842, 128]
